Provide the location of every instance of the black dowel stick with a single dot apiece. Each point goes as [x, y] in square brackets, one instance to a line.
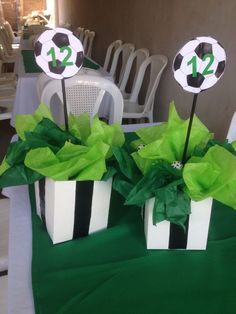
[64, 102]
[189, 128]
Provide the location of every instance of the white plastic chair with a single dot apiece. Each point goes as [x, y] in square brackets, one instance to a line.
[84, 93]
[110, 53]
[85, 39]
[12, 39]
[132, 108]
[90, 44]
[79, 32]
[122, 52]
[137, 58]
[231, 136]
[42, 80]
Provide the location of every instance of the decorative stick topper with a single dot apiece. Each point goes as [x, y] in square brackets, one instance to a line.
[199, 64]
[59, 53]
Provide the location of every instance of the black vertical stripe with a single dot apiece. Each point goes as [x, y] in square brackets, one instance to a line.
[42, 199]
[178, 236]
[83, 204]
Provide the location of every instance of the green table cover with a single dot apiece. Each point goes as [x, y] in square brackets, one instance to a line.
[31, 66]
[111, 272]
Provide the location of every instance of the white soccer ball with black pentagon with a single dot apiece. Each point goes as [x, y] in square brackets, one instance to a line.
[59, 53]
[199, 64]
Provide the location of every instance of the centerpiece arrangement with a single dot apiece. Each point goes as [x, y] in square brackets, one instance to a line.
[67, 168]
[176, 197]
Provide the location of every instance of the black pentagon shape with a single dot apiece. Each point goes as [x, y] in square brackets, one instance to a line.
[79, 59]
[58, 69]
[195, 81]
[61, 40]
[177, 62]
[203, 49]
[37, 48]
[220, 69]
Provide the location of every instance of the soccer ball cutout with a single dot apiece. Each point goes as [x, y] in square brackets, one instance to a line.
[59, 53]
[177, 165]
[199, 64]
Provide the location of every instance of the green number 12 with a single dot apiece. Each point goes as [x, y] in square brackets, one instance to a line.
[207, 70]
[65, 61]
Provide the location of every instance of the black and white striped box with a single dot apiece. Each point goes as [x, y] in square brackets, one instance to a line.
[166, 235]
[73, 209]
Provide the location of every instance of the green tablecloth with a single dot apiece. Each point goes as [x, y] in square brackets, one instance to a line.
[31, 66]
[111, 272]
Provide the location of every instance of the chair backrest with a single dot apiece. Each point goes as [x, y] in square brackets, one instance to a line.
[231, 136]
[84, 93]
[157, 64]
[42, 80]
[4, 54]
[79, 32]
[9, 30]
[5, 40]
[110, 53]
[138, 56]
[86, 39]
[90, 44]
[124, 51]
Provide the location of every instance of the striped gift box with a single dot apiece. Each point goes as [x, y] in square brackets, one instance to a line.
[166, 235]
[73, 209]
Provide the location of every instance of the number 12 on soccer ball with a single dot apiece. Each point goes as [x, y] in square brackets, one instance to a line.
[206, 70]
[65, 62]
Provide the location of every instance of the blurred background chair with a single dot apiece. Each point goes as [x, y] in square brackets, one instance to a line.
[79, 33]
[132, 108]
[85, 93]
[231, 136]
[119, 61]
[88, 42]
[110, 54]
[134, 62]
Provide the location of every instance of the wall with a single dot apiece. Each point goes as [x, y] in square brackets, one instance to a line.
[164, 27]
[31, 5]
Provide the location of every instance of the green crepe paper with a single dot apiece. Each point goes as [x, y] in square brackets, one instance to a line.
[48, 134]
[165, 184]
[171, 204]
[18, 175]
[71, 162]
[99, 131]
[170, 140]
[27, 122]
[127, 174]
[214, 175]
[79, 126]
[48, 150]
[112, 135]
[4, 166]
